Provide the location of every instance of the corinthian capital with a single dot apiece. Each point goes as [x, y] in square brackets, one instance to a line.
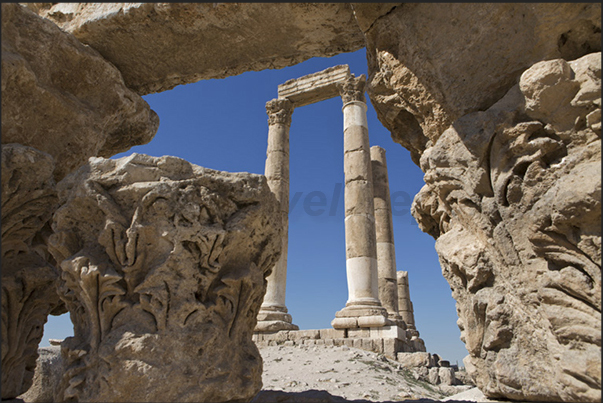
[171, 249]
[352, 89]
[279, 111]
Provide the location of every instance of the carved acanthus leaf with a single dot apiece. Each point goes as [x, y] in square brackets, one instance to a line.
[279, 111]
[352, 89]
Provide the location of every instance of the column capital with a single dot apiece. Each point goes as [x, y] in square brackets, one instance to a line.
[279, 111]
[352, 89]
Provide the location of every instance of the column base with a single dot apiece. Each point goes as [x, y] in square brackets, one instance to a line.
[354, 316]
[273, 319]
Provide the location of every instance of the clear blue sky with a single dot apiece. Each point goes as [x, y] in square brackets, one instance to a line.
[222, 124]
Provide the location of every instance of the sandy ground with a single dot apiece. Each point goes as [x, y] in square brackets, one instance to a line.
[340, 373]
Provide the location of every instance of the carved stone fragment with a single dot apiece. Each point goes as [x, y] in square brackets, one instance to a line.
[163, 267]
[28, 278]
[513, 197]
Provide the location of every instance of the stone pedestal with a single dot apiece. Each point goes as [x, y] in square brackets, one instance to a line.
[363, 308]
[384, 227]
[273, 314]
[162, 269]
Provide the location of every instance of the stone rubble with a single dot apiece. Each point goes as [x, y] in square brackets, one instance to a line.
[345, 372]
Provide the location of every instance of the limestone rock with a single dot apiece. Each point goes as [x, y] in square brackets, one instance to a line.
[62, 97]
[367, 13]
[446, 376]
[163, 267]
[157, 46]
[430, 64]
[513, 197]
[434, 376]
[47, 376]
[418, 359]
[28, 277]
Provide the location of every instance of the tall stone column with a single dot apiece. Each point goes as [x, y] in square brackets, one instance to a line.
[404, 304]
[273, 314]
[406, 311]
[363, 308]
[384, 227]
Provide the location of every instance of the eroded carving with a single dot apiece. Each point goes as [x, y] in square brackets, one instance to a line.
[352, 89]
[279, 111]
[513, 197]
[163, 267]
[28, 278]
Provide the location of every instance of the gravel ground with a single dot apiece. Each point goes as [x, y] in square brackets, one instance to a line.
[339, 374]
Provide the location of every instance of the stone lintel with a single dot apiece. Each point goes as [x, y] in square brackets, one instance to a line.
[314, 87]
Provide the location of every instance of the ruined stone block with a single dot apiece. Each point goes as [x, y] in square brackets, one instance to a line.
[446, 376]
[418, 359]
[391, 347]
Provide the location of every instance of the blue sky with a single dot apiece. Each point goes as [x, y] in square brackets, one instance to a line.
[222, 124]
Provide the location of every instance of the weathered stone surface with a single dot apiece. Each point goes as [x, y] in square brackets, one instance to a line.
[418, 359]
[513, 197]
[463, 378]
[446, 376]
[62, 97]
[434, 376]
[157, 46]
[367, 13]
[28, 278]
[163, 267]
[47, 376]
[430, 64]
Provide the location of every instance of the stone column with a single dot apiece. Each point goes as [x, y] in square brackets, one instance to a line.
[384, 227]
[273, 314]
[363, 308]
[406, 311]
[404, 303]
